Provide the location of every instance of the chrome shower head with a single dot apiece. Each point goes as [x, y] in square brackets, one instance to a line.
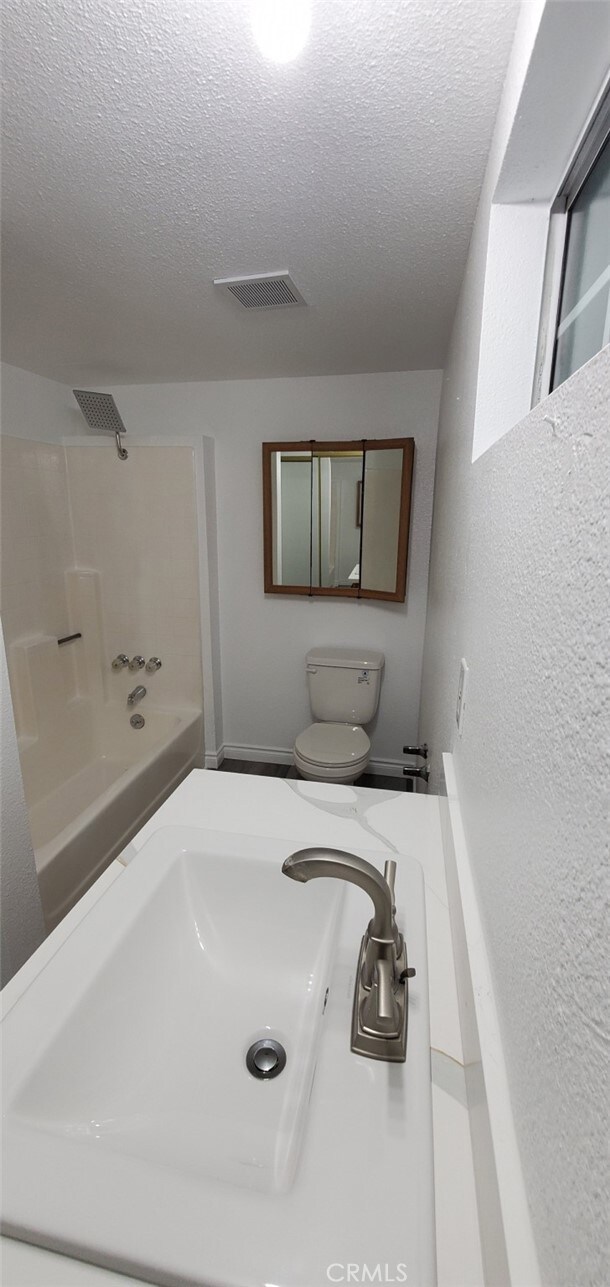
[101, 412]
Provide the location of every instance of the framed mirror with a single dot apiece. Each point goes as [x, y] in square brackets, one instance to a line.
[336, 517]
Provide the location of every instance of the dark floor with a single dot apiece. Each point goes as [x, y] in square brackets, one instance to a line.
[288, 771]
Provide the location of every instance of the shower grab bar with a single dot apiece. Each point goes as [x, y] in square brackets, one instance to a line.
[69, 638]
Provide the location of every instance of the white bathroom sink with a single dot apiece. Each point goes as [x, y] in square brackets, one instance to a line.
[134, 1134]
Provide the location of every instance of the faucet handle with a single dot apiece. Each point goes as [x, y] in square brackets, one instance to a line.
[153, 663]
[380, 1011]
[137, 663]
[120, 661]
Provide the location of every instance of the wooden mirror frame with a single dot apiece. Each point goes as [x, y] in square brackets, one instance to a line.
[407, 445]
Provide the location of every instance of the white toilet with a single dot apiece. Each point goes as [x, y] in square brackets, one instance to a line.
[344, 688]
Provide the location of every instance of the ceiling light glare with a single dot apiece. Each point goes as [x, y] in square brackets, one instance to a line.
[281, 27]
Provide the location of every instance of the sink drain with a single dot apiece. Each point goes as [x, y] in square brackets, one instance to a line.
[266, 1059]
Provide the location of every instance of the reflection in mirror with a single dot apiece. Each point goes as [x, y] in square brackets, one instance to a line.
[336, 517]
[381, 519]
[291, 475]
[336, 500]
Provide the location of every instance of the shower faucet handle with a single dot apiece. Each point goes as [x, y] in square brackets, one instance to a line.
[153, 663]
[120, 662]
[137, 663]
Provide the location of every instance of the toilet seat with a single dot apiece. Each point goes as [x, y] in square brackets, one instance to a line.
[333, 748]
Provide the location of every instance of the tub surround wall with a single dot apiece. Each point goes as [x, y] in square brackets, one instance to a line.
[135, 522]
[518, 587]
[22, 927]
[108, 549]
[55, 723]
[263, 640]
[36, 551]
[36, 538]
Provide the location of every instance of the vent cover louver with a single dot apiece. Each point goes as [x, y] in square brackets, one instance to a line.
[264, 290]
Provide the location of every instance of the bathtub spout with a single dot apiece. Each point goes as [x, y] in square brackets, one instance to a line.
[136, 695]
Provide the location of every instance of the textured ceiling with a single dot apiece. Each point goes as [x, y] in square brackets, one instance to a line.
[148, 148]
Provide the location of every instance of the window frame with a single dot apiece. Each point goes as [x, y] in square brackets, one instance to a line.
[590, 145]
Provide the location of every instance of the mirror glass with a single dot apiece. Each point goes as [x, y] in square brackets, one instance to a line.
[291, 475]
[336, 517]
[381, 519]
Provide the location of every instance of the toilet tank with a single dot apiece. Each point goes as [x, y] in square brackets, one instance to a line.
[344, 684]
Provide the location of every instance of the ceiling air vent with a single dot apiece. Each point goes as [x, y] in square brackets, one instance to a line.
[264, 290]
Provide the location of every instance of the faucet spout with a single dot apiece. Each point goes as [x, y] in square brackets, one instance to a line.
[307, 864]
[136, 695]
[379, 1013]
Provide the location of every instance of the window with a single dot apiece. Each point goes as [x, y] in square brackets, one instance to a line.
[583, 300]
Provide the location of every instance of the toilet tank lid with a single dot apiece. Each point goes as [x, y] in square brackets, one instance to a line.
[356, 658]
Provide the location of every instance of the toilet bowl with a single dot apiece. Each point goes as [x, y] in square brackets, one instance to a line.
[344, 688]
[332, 752]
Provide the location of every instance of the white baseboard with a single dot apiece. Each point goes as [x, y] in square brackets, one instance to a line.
[280, 755]
[262, 754]
[507, 1240]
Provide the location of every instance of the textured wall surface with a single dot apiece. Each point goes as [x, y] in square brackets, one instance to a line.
[163, 150]
[519, 586]
[533, 771]
[264, 638]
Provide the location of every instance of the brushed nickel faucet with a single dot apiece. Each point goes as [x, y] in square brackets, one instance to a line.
[379, 1014]
[136, 695]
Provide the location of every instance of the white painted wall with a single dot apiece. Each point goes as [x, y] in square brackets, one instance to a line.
[264, 639]
[22, 925]
[518, 586]
[33, 407]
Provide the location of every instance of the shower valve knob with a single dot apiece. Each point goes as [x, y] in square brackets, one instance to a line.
[137, 663]
[153, 663]
[120, 662]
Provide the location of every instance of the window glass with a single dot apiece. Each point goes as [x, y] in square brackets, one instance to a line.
[584, 313]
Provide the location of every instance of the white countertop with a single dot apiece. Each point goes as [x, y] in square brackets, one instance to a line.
[312, 813]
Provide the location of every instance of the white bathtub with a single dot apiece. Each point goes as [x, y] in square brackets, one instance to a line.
[83, 822]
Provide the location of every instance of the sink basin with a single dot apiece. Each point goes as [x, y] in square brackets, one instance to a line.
[134, 1134]
[209, 952]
